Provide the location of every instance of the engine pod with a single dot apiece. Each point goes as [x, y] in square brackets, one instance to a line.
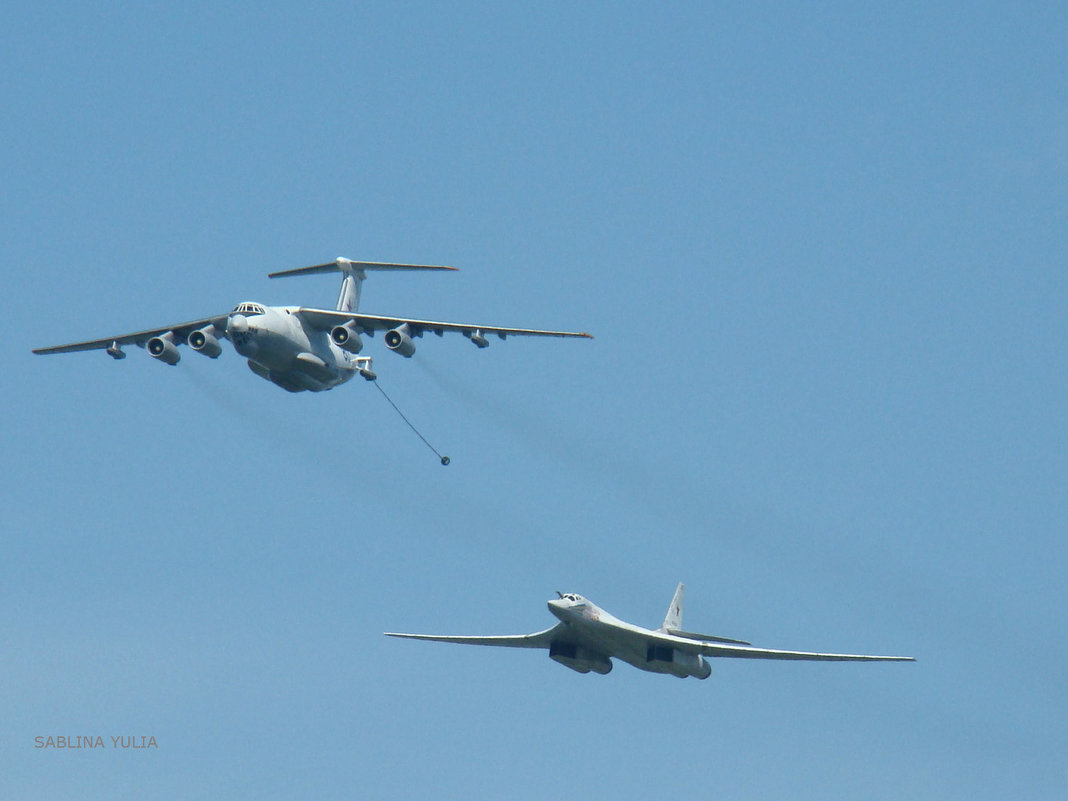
[347, 337]
[164, 349]
[399, 341]
[578, 658]
[204, 341]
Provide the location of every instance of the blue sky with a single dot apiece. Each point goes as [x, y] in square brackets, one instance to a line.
[822, 253]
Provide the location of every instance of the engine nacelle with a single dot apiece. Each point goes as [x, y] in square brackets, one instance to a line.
[399, 341]
[665, 659]
[579, 659]
[347, 337]
[164, 349]
[203, 341]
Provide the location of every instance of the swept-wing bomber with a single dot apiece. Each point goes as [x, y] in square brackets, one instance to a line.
[587, 638]
[300, 348]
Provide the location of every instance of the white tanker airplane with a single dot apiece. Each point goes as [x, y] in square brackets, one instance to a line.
[587, 637]
[300, 348]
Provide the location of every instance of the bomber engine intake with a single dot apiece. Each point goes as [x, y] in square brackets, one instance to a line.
[399, 340]
[578, 658]
[665, 659]
[347, 337]
[164, 349]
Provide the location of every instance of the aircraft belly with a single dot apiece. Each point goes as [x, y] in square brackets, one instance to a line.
[612, 640]
[636, 656]
[292, 363]
[276, 353]
[597, 637]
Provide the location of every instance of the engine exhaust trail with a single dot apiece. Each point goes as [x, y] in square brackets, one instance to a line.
[444, 459]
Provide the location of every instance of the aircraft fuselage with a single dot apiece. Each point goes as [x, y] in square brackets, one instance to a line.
[282, 350]
[602, 633]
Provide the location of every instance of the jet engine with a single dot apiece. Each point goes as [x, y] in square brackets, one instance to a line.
[203, 340]
[665, 659]
[164, 349]
[579, 659]
[399, 340]
[347, 336]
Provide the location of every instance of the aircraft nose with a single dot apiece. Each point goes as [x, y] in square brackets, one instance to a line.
[239, 331]
[557, 606]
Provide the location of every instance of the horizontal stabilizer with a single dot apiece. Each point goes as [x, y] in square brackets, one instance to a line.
[350, 266]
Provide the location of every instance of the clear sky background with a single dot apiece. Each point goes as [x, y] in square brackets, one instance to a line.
[822, 250]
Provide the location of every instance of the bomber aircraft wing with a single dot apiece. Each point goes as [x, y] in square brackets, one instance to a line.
[326, 319]
[540, 639]
[724, 649]
[140, 338]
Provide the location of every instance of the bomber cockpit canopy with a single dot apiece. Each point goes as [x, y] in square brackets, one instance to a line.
[570, 596]
[248, 309]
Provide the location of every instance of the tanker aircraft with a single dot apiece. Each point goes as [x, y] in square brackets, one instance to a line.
[300, 348]
[587, 637]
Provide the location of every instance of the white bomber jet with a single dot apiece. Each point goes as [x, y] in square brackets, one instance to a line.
[300, 348]
[587, 637]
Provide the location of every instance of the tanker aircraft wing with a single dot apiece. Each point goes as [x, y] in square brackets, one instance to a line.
[140, 338]
[327, 319]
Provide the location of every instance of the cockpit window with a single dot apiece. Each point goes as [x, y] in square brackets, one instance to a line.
[248, 308]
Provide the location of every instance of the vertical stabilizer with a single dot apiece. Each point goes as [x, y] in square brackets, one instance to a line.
[348, 300]
[673, 618]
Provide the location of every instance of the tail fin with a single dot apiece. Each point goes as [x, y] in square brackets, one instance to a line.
[348, 299]
[355, 271]
[673, 618]
[673, 623]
